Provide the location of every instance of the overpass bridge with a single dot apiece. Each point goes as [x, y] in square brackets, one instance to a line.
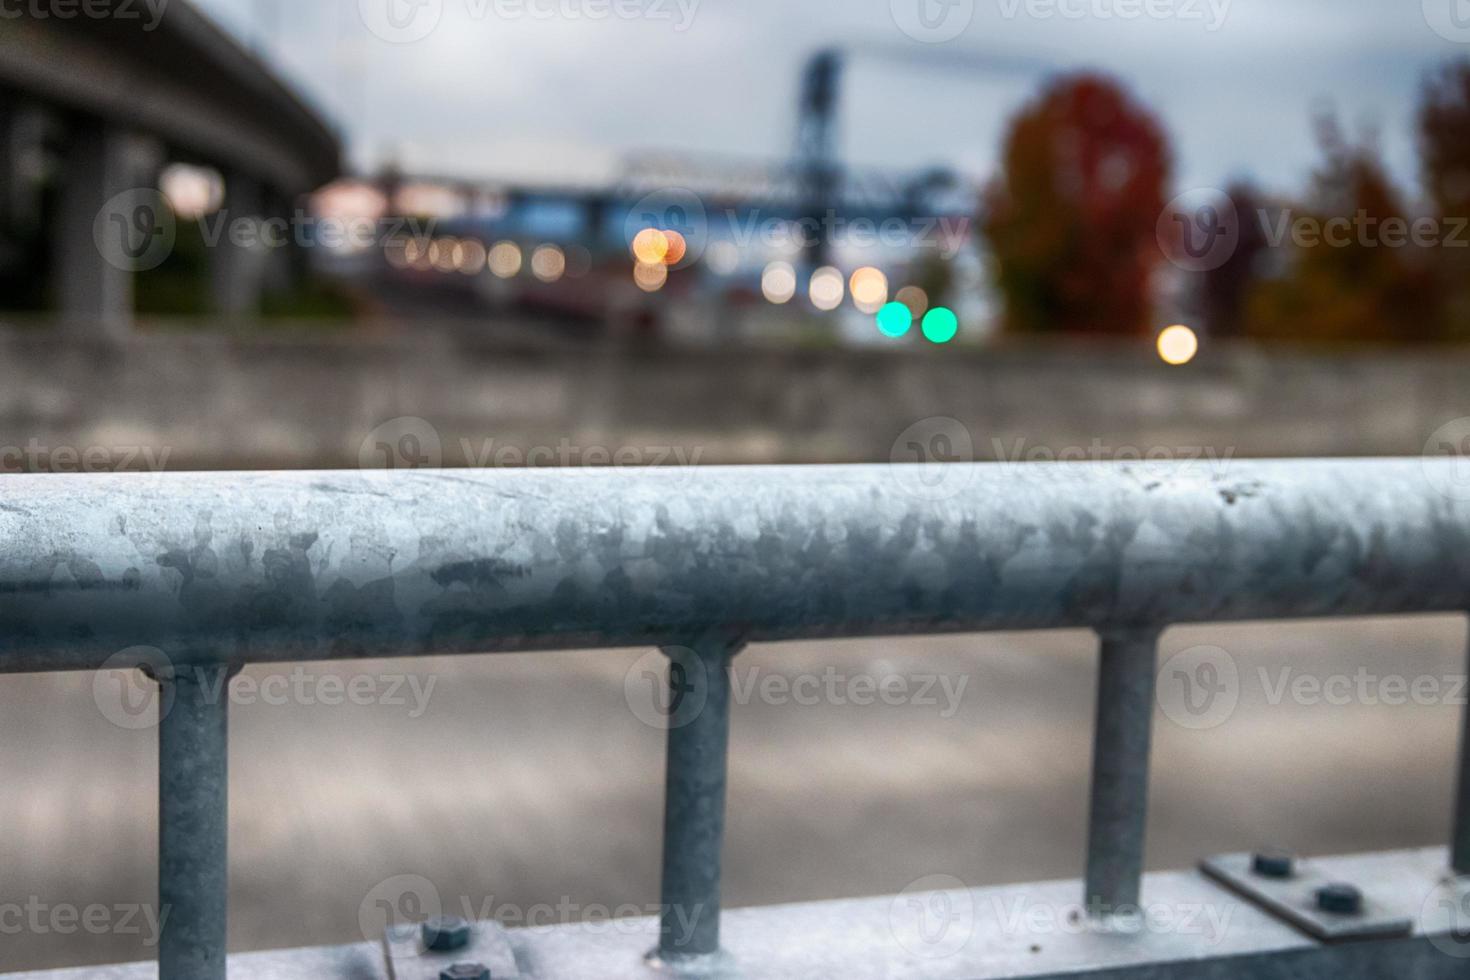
[104, 99]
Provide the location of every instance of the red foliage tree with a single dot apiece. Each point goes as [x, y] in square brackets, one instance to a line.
[1071, 222]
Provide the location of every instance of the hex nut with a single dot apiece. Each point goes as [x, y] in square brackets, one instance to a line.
[445, 933]
[1273, 863]
[465, 971]
[1340, 899]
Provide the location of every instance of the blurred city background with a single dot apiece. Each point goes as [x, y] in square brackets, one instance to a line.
[244, 234]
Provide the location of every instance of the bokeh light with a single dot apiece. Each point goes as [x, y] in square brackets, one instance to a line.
[396, 252]
[548, 263]
[416, 255]
[894, 320]
[778, 282]
[869, 289]
[941, 325]
[827, 288]
[723, 258]
[192, 192]
[915, 299]
[650, 276]
[469, 257]
[678, 248]
[441, 253]
[650, 246]
[1178, 345]
[505, 260]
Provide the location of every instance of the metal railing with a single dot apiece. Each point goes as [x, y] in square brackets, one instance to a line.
[220, 570]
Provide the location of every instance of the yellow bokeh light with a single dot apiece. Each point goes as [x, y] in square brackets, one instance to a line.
[469, 258]
[397, 253]
[1178, 345]
[778, 282]
[869, 289]
[650, 276]
[826, 288]
[505, 260]
[650, 246]
[441, 254]
[548, 263]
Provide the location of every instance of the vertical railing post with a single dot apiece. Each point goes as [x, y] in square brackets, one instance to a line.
[193, 822]
[1120, 747]
[694, 800]
[1460, 831]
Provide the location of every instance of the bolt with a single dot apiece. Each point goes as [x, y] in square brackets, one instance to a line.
[1273, 863]
[446, 933]
[1340, 899]
[465, 971]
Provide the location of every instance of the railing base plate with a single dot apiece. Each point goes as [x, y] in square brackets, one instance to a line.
[1191, 928]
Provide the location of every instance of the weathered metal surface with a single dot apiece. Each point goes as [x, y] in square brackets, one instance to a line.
[406, 957]
[1460, 831]
[193, 825]
[698, 719]
[294, 566]
[1194, 929]
[1120, 750]
[362, 961]
[1294, 898]
[204, 571]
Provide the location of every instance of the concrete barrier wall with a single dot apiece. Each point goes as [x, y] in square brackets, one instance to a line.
[192, 401]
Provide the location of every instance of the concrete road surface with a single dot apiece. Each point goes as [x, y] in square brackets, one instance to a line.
[526, 786]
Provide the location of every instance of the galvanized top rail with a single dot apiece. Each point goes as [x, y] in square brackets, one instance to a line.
[239, 567]
[221, 570]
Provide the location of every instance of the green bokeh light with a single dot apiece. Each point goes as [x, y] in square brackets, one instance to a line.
[941, 325]
[894, 320]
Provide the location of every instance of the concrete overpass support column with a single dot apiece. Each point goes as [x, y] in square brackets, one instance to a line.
[240, 256]
[92, 278]
[11, 176]
[287, 263]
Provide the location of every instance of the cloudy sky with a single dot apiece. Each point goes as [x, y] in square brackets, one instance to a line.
[564, 89]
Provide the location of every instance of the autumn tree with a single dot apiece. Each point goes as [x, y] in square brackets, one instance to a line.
[1444, 141]
[1071, 221]
[1355, 272]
